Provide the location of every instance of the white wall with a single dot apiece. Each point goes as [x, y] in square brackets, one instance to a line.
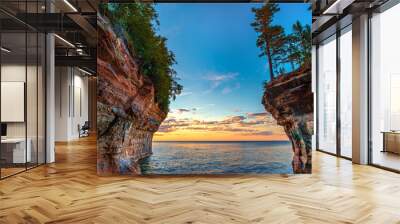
[71, 102]
[62, 81]
[33, 126]
[13, 73]
[81, 104]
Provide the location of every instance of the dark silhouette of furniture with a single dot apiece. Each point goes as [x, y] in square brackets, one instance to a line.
[84, 130]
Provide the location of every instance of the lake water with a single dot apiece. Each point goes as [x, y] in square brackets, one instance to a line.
[219, 158]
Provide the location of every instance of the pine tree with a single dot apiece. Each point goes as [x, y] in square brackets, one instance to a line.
[292, 56]
[302, 35]
[270, 36]
[278, 50]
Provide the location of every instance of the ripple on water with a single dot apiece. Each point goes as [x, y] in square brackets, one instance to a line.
[219, 158]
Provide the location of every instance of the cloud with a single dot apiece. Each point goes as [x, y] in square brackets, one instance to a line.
[186, 94]
[248, 124]
[229, 89]
[218, 79]
[165, 128]
[255, 115]
[263, 133]
[170, 120]
[251, 123]
[221, 77]
[182, 110]
[230, 119]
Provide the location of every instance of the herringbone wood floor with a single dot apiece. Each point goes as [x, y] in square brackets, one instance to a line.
[69, 191]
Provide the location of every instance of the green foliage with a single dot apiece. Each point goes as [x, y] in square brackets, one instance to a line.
[268, 33]
[280, 48]
[302, 37]
[139, 21]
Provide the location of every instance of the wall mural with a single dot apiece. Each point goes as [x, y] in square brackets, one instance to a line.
[201, 88]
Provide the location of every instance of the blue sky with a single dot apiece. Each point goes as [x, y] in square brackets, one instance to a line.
[217, 56]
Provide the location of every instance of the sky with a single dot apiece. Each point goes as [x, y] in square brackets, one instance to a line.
[221, 73]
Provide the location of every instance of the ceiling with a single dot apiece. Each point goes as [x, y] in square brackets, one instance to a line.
[330, 15]
[74, 22]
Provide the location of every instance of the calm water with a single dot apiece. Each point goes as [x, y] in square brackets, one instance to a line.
[218, 158]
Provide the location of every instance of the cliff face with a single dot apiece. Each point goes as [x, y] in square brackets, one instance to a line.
[127, 115]
[290, 101]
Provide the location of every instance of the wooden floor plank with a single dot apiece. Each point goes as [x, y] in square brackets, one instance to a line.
[69, 191]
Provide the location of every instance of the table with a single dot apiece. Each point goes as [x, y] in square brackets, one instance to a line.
[391, 141]
[13, 150]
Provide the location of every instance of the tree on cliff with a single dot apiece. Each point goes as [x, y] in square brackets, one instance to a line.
[278, 50]
[270, 38]
[138, 23]
[302, 35]
[281, 49]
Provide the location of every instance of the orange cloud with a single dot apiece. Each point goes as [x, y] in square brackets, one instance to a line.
[248, 127]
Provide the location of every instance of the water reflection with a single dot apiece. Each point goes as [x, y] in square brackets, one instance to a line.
[218, 158]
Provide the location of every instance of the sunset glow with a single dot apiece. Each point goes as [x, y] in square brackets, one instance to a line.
[181, 126]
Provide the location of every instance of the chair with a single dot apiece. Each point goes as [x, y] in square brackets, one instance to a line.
[84, 130]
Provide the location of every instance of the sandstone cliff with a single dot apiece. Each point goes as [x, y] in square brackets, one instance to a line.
[127, 115]
[289, 99]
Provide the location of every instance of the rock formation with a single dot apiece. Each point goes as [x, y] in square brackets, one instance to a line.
[127, 115]
[289, 99]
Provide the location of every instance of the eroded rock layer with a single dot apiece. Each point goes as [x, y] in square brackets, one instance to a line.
[127, 115]
[289, 99]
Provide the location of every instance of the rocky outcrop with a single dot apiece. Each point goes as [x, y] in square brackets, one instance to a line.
[289, 99]
[127, 115]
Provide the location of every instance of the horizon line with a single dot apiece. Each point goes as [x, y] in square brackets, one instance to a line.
[221, 141]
